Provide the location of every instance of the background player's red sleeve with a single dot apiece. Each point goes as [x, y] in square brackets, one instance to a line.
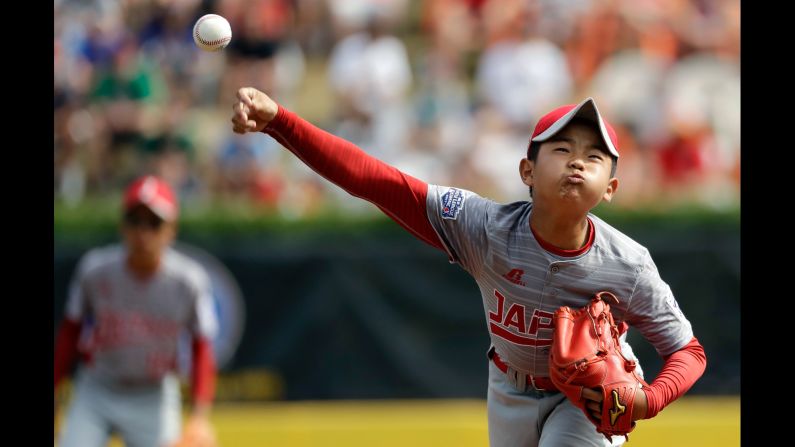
[399, 195]
[679, 373]
[65, 348]
[203, 371]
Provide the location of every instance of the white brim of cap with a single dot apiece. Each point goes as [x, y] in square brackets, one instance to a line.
[586, 109]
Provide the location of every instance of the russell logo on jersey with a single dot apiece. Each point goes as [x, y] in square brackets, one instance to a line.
[515, 276]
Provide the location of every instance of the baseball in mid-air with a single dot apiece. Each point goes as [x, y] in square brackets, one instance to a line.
[212, 32]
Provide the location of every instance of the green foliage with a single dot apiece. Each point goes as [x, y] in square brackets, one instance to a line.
[99, 218]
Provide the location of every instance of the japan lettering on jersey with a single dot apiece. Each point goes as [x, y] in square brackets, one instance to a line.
[134, 326]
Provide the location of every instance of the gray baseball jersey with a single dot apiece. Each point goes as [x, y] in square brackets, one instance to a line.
[134, 326]
[522, 284]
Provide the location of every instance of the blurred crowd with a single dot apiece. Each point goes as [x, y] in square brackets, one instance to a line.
[446, 90]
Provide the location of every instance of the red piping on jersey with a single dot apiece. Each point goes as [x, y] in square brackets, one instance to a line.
[203, 371]
[65, 349]
[399, 195]
[566, 253]
[679, 373]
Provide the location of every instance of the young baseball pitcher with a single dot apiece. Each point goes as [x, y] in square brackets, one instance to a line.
[529, 259]
[126, 309]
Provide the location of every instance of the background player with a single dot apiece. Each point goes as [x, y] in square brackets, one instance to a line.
[127, 307]
[528, 259]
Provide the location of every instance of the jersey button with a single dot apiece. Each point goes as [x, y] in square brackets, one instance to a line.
[555, 269]
[554, 292]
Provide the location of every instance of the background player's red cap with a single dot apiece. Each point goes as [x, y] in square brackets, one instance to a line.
[555, 120]
[153, 193]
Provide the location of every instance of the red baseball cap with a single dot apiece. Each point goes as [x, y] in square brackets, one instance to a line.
[153, 193]
[555, 120]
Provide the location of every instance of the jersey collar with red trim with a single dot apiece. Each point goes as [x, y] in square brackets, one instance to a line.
[566, 253]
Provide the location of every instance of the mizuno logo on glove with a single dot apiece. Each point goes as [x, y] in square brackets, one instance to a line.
[617, 409]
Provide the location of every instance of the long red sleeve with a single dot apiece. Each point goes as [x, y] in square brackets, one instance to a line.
[399, 195]
[203, 371]
[679, 373]
[65, 349]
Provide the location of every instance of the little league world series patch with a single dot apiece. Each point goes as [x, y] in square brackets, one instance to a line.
[452, 203]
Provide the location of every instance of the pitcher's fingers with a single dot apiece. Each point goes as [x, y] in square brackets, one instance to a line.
[241, 111]
[237, 121]
[245, 94]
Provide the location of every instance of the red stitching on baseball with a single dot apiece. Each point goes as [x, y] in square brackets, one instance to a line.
[209, 42]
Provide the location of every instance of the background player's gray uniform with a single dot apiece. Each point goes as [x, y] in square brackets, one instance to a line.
[522, 285]
[132, 329]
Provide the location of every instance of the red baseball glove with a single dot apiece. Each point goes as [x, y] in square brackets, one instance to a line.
[586, 354]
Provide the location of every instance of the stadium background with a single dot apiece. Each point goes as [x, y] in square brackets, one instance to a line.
[353, 333]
